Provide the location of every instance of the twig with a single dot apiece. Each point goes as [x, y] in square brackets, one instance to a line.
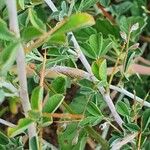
[42, 75]
[51, 5]
[125, 92]
[133, 68]
[142, 60]
[145, 38]
[124, 141]
[105, 13]
[4, 122]
[77, 73]
[59, 115]
[13, 23]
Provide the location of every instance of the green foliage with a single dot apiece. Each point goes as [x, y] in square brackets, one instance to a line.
[106, 28]
[30, 33]
[35, 21]
[123, 109]
[83, 114]
[53, 103]
[36, 98]
[5, 34]
[23, 124]
[75, 21]
[126, 24]
[7, 57]
[96, 46]
[59, 85]
[132, 127]
[146, 120]
[84, 5]
[71, 138]
[99, 69]
[3, 139]
[34, 143]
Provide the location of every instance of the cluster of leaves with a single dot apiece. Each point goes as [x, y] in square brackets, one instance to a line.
[101, 42]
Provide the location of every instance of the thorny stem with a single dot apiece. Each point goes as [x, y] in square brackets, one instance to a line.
[13, 23]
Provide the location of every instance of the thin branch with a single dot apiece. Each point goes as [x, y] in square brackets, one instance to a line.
[145, 38]
[13, 23]
[105, 13]
[78, 73]
[132, 96]
[142, 60]
[134, 68]
[4, 122]
[51, 5]
[124, 141]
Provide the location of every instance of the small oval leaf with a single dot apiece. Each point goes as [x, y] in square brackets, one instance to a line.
[53, 103]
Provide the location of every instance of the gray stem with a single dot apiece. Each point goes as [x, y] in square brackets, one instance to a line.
[78, 73]
[13, 23]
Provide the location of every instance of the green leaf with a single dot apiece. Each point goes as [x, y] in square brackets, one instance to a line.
[34, 115]
[36, 98]
[5, 33]
[36, 22]
[88, 51]
[2, 95]
[59, 85]
[75, 21]
[123, 109]
[105, 3]
[122, 7]
[7, 57]
[34, 143]
[4, 140]
[99, 68]
[30, 33]
[106, 28]
[146, 119]
[90, 120]
[2, 147]
[84, 33]
[129, 60]
[84, 5]
[57, 39]
[96, 46]
[53, 103]
[95, 69]
[102, 70]
[23, 124]
[93, 109]
[46, 121]
[50, 107]
[21, 3]
[70, 138]
[96, 42]
[132, 127]
[126, 23]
